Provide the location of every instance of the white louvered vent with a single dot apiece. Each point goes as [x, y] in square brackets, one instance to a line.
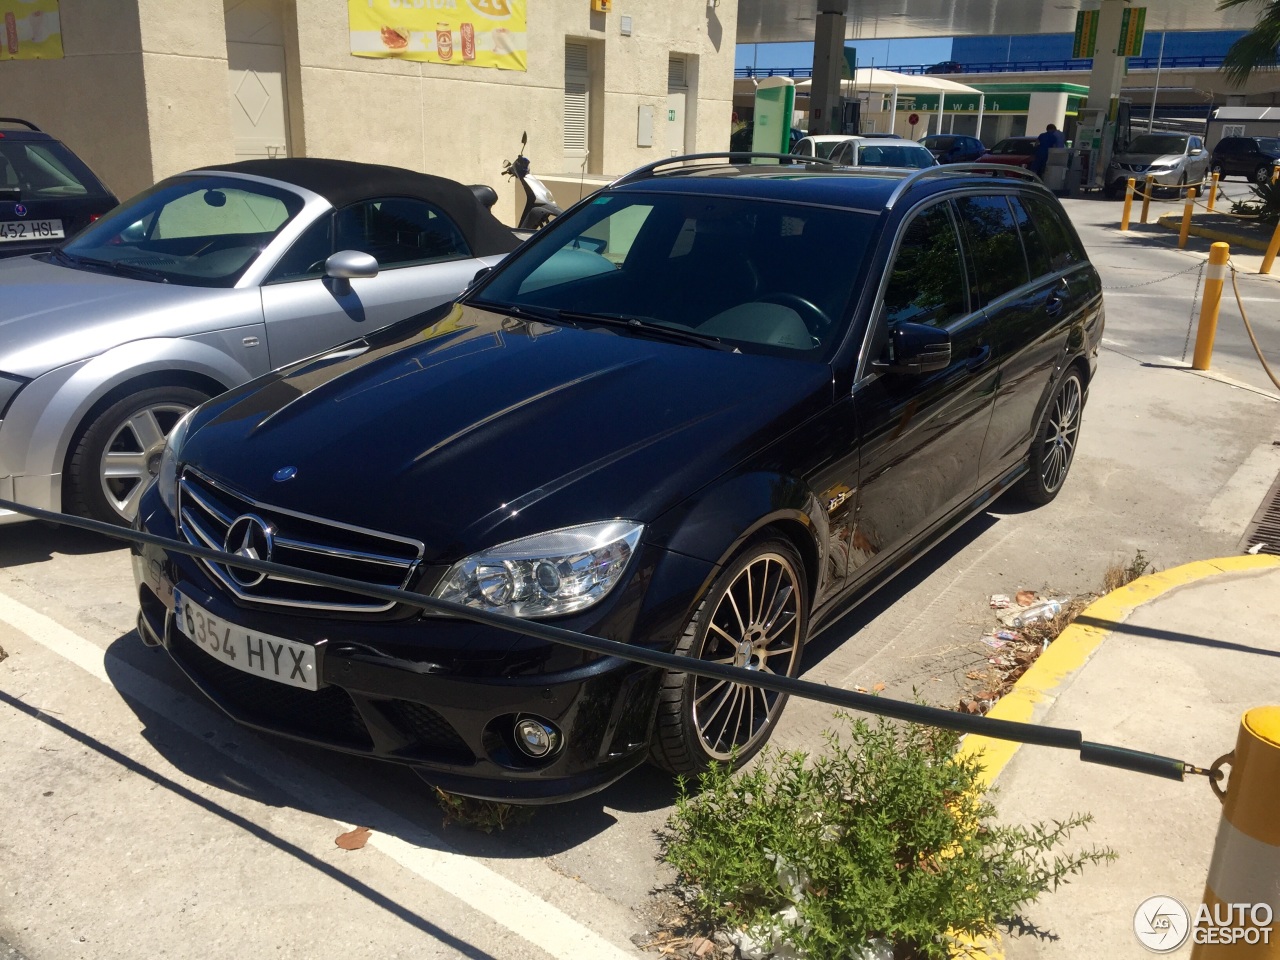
[575, 99]
[676, 75]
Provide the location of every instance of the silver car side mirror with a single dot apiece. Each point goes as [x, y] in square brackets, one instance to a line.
[350, 265]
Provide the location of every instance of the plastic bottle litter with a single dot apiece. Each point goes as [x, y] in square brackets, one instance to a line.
[1045, 610]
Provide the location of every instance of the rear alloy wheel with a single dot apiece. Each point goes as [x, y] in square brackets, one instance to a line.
[116, 456]
[755, 617]
[1262, 173]
[1055, 445]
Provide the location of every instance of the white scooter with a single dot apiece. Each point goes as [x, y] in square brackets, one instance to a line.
[539, 205]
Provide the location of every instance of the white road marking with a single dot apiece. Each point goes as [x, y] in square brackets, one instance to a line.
[507, 903]
[1109, 295]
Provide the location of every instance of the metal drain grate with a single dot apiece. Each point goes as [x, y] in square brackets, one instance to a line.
[1264, 528]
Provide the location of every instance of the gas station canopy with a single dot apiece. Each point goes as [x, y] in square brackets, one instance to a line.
[774, 21]
[886, 81]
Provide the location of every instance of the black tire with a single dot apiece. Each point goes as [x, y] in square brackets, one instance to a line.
[768, 579]
[133, 430]
[1262, 173]
[1054, 448]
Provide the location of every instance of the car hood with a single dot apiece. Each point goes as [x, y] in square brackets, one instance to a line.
[52, 315]
[481, 428]
[1150, 159]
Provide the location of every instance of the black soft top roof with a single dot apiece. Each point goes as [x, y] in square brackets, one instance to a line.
[343, 182]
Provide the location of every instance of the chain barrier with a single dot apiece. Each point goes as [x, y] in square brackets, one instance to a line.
[1137, 761]
[1200, 201]
[1191, 319]
[1148, 283]
[1248, 327]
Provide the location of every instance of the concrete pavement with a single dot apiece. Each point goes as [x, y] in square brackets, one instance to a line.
[1201, 640]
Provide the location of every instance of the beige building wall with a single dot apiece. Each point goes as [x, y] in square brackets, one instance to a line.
[143, 93]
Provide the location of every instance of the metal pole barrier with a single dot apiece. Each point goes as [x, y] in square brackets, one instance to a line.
[1214, 277]
[1213, 190]
[1128, 204]
[1242, 894]
[1146, 197]
[1186, 218]
[1273, 248]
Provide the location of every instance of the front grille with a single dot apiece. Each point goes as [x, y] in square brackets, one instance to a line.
[328, 714]
[207, 510]
[431, 730]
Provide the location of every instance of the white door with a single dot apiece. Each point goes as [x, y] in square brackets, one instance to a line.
[677, 96]
[255, 77]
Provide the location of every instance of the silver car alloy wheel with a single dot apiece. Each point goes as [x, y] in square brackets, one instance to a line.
[132, 455]
[1060, 440]
[755, 625]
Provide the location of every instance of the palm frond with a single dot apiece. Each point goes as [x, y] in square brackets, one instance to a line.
[1257, 49]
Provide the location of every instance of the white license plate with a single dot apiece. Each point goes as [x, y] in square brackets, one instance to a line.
[260, 654]
[15, 230]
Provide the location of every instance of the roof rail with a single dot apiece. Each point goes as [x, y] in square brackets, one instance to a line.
[648, 170]
[949, 169]
[26, 123]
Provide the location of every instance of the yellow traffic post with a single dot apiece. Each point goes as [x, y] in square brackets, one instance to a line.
[1273, 248]
[1213, 190]
[1238, 919]
[1186, 218]
[1146, 197]
[1128, 205]
[1214, 276]
[1275, 174]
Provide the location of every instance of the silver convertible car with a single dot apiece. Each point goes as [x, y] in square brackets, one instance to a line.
[209, 279]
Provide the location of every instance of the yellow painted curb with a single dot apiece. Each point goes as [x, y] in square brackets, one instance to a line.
[1173, 221]
[1077, 643]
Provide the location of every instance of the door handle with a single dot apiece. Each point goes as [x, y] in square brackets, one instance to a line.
[1056, 301]
[978, 357]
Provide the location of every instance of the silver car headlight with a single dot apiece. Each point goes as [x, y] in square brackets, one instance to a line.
[167, 475]
[545, 575]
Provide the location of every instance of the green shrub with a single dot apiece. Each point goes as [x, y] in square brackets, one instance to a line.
[1265, 205]
[885, 835]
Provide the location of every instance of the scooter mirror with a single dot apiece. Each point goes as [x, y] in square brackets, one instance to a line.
[524, 139]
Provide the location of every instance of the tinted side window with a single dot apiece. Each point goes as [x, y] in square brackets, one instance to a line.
[399, 232]
[926, 283]
[1032, 242]
[1061, 243]
[305, 259]
[993, 243]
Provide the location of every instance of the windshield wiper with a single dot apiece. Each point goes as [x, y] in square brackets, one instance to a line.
[648, 326]
[116, 266]
[541, 314]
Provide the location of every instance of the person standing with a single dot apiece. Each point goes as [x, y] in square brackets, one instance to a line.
[1044, 143]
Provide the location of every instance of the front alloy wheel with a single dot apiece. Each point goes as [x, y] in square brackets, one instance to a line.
[754, 617]
[1055, 444]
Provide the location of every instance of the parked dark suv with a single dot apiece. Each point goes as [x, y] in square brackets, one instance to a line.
[46, 192]
[1251, 157]
[705, 411]
[954, 148]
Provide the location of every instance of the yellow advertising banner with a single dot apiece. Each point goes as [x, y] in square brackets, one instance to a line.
[29, 30]
[461, 33]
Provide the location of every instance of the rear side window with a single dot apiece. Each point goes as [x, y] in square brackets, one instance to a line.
[1032, 242]
[993, 244]
[1060, 241]
[43, 171]
[926, 284]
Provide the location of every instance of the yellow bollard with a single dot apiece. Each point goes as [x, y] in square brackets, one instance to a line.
[1273, 248]
[1186, 218]
[1128, 205]
[1213, 191]
[1214, 276]
[1238, 919]
[1275, 174]
[1146, 197]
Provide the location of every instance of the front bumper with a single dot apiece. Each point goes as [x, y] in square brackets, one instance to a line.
[437, 694]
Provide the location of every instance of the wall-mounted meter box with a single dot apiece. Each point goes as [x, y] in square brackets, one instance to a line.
[601, 6]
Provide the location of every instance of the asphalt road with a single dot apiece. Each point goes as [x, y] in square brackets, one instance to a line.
[140, 822]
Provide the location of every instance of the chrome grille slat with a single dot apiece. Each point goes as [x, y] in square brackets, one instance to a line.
[207, 509]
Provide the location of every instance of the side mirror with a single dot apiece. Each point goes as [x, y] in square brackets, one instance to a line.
[1196, 152]
[914, 349]
[480, 275]
[350, 265]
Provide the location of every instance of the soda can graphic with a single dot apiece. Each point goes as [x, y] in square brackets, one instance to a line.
[468, 41]
[444, 41]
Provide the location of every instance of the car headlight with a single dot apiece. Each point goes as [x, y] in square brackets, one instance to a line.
[167, 475]
[9, 387]
[546, 575]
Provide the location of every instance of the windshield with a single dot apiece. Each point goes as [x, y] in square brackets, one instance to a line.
[201, 231]
[894, 155]
[1269, 144]
[1158, 143]
[1014, 146]
[825, 148]
[756, 275]
[41, 170]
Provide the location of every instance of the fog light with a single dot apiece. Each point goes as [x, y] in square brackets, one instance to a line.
[536, 738]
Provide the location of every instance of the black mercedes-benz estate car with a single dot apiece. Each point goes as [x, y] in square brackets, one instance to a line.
[705, 411]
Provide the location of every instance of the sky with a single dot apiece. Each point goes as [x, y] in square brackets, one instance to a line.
[885, 53]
